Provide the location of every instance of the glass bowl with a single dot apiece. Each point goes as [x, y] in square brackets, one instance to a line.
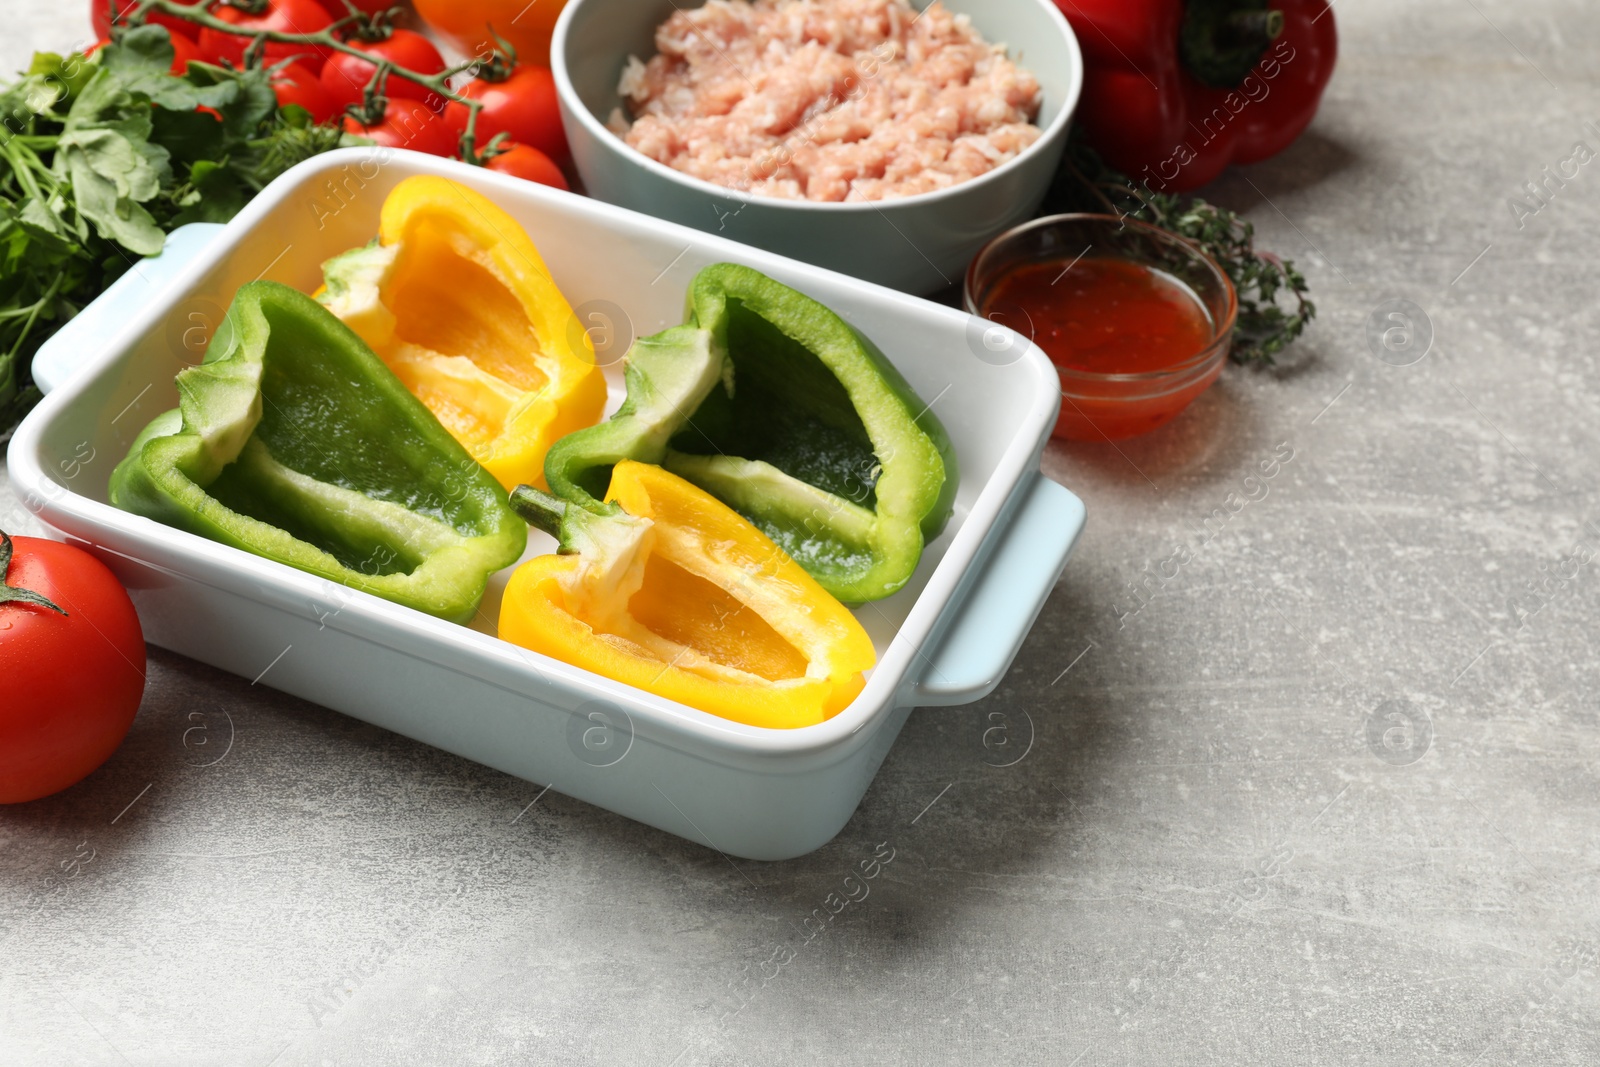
[1098, 406]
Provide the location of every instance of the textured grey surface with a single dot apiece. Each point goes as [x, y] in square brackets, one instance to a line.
[1220, 847]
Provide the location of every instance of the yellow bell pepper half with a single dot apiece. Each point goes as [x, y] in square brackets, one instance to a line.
[669, 590]
[456, 299]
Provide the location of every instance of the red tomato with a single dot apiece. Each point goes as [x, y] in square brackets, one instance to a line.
[295, 84]
[72, 682]
[520, 161]
[345, 76]
[283, 16]
[466, 24]
[184, 52]
[523, 107]
[408, 124]
[336, 8]
[100, 19]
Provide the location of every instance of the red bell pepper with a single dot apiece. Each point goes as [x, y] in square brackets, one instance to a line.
[1175, 90]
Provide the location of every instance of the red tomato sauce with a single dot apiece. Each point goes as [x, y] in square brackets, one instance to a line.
[1105, 316]
[1108, 316]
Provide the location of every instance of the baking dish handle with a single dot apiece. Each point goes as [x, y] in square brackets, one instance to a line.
[83, 335]
[1004, 598]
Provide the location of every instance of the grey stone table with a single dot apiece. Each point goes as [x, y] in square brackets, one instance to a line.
[1312, 772]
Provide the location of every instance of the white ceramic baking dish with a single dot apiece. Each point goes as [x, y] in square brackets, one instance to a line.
[766, 794]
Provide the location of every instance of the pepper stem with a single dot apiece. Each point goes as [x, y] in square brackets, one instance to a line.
[1263, 27]
[539, 509]
[1223, 40]
[12, 594]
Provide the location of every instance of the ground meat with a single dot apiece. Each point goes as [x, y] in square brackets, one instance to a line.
[827, 99]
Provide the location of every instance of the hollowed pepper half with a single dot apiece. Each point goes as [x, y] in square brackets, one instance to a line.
[457, 300]
[666, 589]
[781, 409]
[293, 441]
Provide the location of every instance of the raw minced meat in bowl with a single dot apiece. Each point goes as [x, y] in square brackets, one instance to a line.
[828, 100]
[887, 139]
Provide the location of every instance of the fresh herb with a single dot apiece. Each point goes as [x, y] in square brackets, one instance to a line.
[101, 156]
[1086, 183]
[344, 35]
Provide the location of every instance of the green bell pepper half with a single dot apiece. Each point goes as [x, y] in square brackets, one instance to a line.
[293, 441]
[786, 413]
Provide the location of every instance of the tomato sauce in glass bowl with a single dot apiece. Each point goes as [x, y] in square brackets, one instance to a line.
[1137, 321]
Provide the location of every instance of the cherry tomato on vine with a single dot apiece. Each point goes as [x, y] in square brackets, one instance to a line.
[345, 76]
[100, 19]
[407, 124]
[530, 164]
[72, 661]
[523, 107]
[295, 84]
[184, 51]
[281, 16]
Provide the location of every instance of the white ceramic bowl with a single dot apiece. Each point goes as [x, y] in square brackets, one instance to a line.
[946, 638]
[917, 244]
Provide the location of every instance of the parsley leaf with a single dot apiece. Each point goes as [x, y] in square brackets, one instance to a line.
[101, 156]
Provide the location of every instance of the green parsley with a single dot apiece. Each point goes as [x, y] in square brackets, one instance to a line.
[101, 156]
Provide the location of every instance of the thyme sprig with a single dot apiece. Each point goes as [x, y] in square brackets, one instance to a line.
[1274, 305]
